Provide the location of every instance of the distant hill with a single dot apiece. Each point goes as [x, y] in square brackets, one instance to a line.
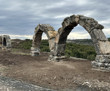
[18, 42]
[81, 41]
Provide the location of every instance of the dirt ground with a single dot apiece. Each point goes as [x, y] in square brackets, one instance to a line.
[52, 75]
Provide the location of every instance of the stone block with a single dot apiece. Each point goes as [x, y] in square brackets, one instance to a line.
[82, 23]
[60, 49]
[97, 34]
[77, 18]
[104, 47]
[34, 53]
[52, 44]
[66, 22]
[97, 48]
[72, 19]
[102, 58]
[35, 49]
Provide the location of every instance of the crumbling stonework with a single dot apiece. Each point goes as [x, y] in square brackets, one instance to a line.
[57, 41]
[100, 41]
[5, 42]
[49, 31]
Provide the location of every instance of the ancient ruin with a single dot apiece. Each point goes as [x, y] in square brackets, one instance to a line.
[57, 42]
[5, 42]
[49, 31]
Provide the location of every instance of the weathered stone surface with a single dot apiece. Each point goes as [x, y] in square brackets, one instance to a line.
[52, 44]
[35, 51]
[66, 22]
[57, 40]
[59, 49]
[72, 19]
[97, 34]
[102, 61]
[105, 66]
[49, 31]
[77, 18]
[97, 48]
[52, 34]
[104, 47]
[5, 42]
[103, 58]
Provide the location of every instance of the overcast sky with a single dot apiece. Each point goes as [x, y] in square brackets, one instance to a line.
[18, 18]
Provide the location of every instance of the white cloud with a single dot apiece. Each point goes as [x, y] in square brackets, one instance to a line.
[59, 4]
[21, 16]
[72, 35]
[23, 36]
[20, 36]
[3, 17]
[78, 35]
[62, 16]
[107, 32]
[105, 21]
[12, 5]
[81, 2]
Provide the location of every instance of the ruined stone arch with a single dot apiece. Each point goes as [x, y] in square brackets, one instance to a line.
[5, 42]
[101, 43]
[49, 31]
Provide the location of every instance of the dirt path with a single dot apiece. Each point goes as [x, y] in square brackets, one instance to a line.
[52, 75]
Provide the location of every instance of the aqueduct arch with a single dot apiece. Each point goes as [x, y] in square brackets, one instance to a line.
[49, 31]
[5, 42]
[101, 43]
[57, 40]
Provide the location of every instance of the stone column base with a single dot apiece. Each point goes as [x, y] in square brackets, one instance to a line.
[102, 61]
[6, 48]
[34, 51]
[56, 58]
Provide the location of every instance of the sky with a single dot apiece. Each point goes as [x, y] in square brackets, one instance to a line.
[18, 18]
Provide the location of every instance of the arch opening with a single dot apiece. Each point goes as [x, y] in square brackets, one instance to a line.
[79, 44]
[39, 30]
[4, 42]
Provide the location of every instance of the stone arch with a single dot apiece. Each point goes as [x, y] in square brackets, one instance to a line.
[100, 41]
[49, 31]
[6, 42]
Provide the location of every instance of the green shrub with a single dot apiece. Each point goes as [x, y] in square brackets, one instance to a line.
[80, 51]
[74, 50]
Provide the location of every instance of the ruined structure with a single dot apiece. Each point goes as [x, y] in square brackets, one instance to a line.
[5, 42]
[49, 31]
[58, 42]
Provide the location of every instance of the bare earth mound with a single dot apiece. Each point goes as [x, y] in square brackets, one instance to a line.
[53, 75]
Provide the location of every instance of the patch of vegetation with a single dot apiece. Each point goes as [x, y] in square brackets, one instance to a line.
[72, 49]
[25, 44]
[80, 51]
[44, 46]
